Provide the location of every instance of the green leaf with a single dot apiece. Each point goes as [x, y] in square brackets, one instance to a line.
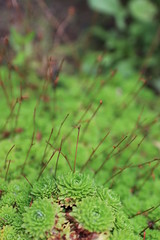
[29, 37]
[105, 6]
[111, 7]
[18, 40]
[142, 10]
[99, 32]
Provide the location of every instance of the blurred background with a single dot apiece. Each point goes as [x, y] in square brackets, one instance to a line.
[121, 35]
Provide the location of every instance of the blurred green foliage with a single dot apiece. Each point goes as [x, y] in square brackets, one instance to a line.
[128, 32]
[22, 46]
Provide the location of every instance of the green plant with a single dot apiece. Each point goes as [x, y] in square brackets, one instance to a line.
[45, 187]
[8, 215]
[75, 186]
[124, 234]
[135, 24]
[94, 215]
[110, 197]
[8, 233]
[40, 218]
[56, 182]
[21, 44]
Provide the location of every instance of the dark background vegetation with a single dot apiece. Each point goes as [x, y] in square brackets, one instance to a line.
[125, 32]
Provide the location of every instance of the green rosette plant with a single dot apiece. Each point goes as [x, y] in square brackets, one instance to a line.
[18, 200]
[124, 234]
[45, 187]
[7, 215]
[8, 233]
[122, 221]
[94, 215]
[40, 218]
[75, 186]
[152, 234]
[110, 197]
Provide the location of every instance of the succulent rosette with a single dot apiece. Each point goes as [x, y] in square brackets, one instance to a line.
[8, 233]
[94, 215]
[75, 186]
[45, 187]
[40, 218]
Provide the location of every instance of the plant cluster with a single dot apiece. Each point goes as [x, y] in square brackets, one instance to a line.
[85, 211]
[71, 149]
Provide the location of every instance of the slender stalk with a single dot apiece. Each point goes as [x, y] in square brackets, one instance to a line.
[44, 167]
[5, 162]
[7, 170]
[93, 152]
[45, 150]
[58, 158]
[76, 149]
